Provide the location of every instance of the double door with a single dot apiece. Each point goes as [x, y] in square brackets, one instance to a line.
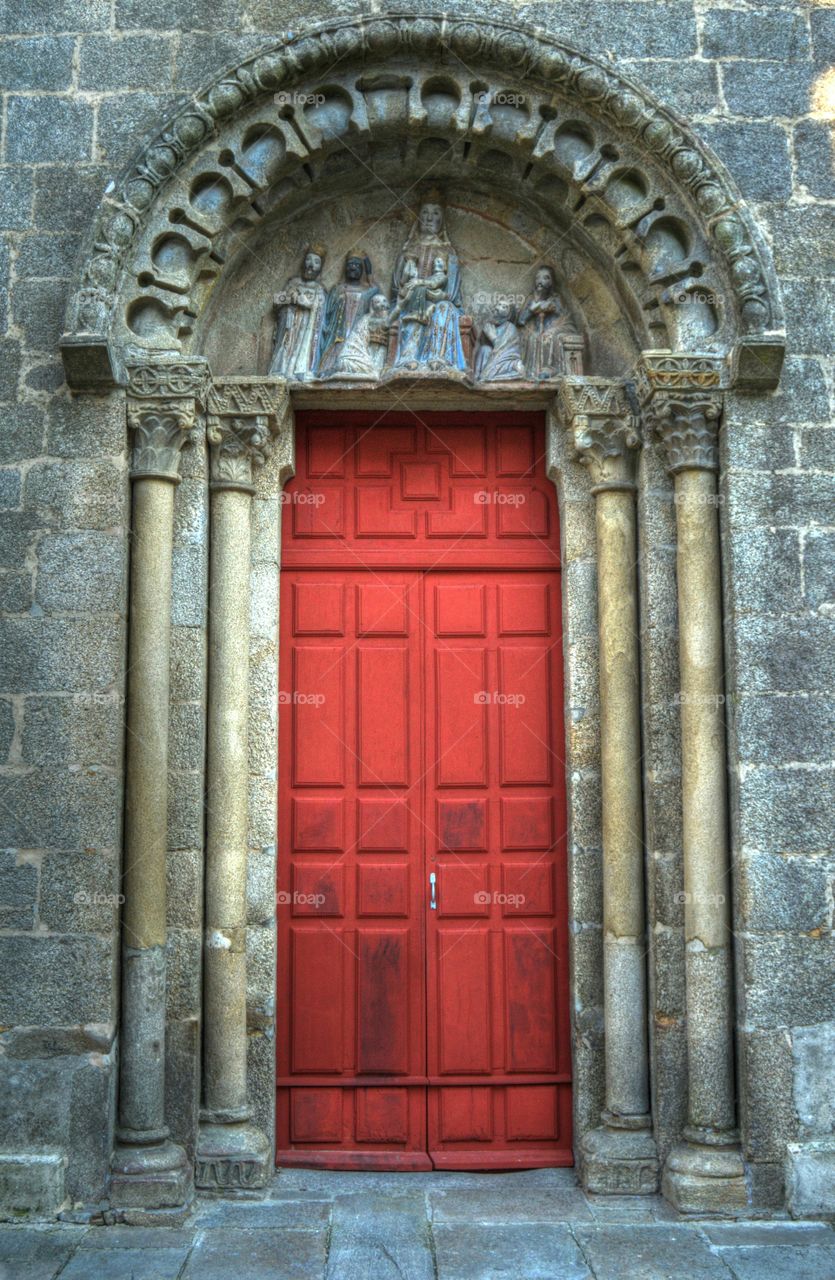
[422, 974]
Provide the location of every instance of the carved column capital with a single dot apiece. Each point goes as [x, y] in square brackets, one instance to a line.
[164, 400]
[604, 430]
[244, 417]
[681, 398]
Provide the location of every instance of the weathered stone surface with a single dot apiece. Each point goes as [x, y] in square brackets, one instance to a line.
[615, 1250]
[810, 308]
[56, 980]
[559, 1205]
[798, 728]
[790, 811]
[116, 1264]
[11, 489]
[810, 1179]
[506, 1252]
[757, 155]
[782, 893]
[67, 123]
[220, 1253]
[753, 88]
[23, 433]
[768, 1118]
[16, 195]
[813, 1049]
[759, 33]
[819, 569]
[382, 1236]
[81, 573]
[38, 1254]
[802, 969]
[39, 63]
[125, 62]
[81, 188]
[786, 655]
[813, 156]
[131, 115]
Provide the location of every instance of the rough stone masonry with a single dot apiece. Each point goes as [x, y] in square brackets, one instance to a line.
[86, 85]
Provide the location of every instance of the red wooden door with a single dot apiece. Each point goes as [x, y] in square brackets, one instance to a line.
[422, 923]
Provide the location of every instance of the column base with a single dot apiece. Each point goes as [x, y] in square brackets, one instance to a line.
[150, 1182]
[620, 1158]
[232, 1157]
[705, 1178]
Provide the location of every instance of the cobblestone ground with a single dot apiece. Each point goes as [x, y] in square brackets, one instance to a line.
[356, 1226]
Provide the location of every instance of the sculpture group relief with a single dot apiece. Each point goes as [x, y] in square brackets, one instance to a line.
[423, 325]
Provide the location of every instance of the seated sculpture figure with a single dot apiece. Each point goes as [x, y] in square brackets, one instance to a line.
[499, 353]
[427, 284]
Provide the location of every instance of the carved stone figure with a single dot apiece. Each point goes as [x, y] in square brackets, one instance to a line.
[427, 284]
[363, 353]
[499, 354]
[545, 324]
[300, 308]
[347, 302]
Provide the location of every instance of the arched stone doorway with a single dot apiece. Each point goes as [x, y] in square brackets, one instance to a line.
[541, 155]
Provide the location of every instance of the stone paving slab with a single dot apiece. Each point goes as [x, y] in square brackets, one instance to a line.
[316, 1225]
[32, 1253]
[466, 1206]
[657, 1252]
[380, 1236]
[126, 1264]
[780, 1262]
[221, 1254]
[509, 1252]
[303, 1213]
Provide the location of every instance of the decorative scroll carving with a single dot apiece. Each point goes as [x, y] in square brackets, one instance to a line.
[682, 403]
[604, 427]
[244, 415]
[164, 399]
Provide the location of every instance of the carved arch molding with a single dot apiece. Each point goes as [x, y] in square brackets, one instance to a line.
[347, 110]
[382, 102]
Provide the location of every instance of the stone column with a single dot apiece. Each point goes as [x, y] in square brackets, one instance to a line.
[683, 405]
[151, 1178]
[243, 417]
[620, 1155]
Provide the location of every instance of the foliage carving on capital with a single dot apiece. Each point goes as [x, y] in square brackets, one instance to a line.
[164, 400]
[244, 417]
[604, 430]
[681, 398]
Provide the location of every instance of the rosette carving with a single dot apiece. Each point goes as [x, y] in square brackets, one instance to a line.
[681, 399]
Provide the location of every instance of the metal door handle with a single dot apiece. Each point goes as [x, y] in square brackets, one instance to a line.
[433, 901]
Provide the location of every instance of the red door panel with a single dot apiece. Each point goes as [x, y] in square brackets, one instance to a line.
[421, 733]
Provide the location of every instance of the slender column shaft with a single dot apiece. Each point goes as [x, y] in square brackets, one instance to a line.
[620, 1155]
[242, 419]
[227, 777]
[711, 1101]
[704, 1172]
[142, 1078]
[627, 1092]
[150, 1175]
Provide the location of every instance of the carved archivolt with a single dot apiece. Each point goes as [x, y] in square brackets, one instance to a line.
[388, 99]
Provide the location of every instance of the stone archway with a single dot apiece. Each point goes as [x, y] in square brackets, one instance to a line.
[511, 124]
